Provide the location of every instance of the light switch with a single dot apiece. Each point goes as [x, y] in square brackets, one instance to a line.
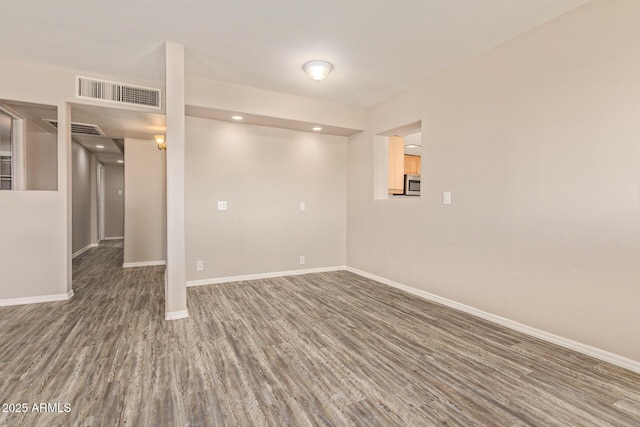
[222, 205]
[446, 198]
[303, 206]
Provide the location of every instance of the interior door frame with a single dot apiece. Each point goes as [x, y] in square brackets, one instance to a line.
[100, 181]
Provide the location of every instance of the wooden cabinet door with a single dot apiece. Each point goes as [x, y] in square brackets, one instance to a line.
[396, 165]
[412, 164]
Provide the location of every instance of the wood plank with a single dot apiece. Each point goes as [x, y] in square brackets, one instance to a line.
[320, 349]
[396, 165]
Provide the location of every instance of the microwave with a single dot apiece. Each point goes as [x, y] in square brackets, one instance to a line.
[411, 185]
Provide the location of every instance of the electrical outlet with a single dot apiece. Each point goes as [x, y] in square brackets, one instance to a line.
[222, 205]
[303, 206]
[199, 265]
[301, 259]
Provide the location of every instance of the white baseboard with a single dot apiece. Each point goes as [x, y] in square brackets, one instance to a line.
[175, 315]
[114, 238]
[143, 264]
[217, 280]
[35, 300]
[597, 353]
[83, 250]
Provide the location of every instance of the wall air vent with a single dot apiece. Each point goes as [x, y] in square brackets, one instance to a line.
[79, 128]
[119, 93]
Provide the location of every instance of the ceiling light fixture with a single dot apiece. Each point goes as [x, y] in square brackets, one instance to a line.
[317, 69]
[120, 161]
[162, 144]
[237, 117]
[317, 128]
[99, 146]
[411, 146]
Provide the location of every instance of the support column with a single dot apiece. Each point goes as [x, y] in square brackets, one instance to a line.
[94, 199]
[65, 185]
[175, 274]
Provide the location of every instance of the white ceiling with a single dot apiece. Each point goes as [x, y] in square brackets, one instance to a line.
[36, 114]
[378, 47]
[120, 124]
[117, 125]
[110, 154]
[413, 139]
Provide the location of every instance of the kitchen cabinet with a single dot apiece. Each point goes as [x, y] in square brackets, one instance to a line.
[412, 164]
[396, 165]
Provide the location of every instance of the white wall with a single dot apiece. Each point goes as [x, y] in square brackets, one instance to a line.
[263, 174]
[538, 141]
[27, 268]
[81, 197]
[35, 255]
[144, 191]
[113, 201]
[41, 164]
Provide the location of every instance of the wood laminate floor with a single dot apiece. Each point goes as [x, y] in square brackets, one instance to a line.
[321, 349]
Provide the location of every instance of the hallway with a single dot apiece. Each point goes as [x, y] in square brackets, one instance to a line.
[92, 351]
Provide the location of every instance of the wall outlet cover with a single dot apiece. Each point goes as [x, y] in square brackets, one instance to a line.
[446, 198]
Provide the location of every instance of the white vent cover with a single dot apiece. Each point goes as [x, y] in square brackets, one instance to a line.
[79, 128]
[119, 93]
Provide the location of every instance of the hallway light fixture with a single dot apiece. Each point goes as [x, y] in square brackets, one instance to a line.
[317, 69]
[162, 144]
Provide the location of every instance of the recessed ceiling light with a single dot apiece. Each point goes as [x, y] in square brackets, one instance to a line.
[120, 161]
[237, 117]
[317, 128]
[412, 146]
[99, 146]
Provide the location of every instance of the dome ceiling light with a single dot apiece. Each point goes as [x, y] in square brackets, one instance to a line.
[318, 70]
